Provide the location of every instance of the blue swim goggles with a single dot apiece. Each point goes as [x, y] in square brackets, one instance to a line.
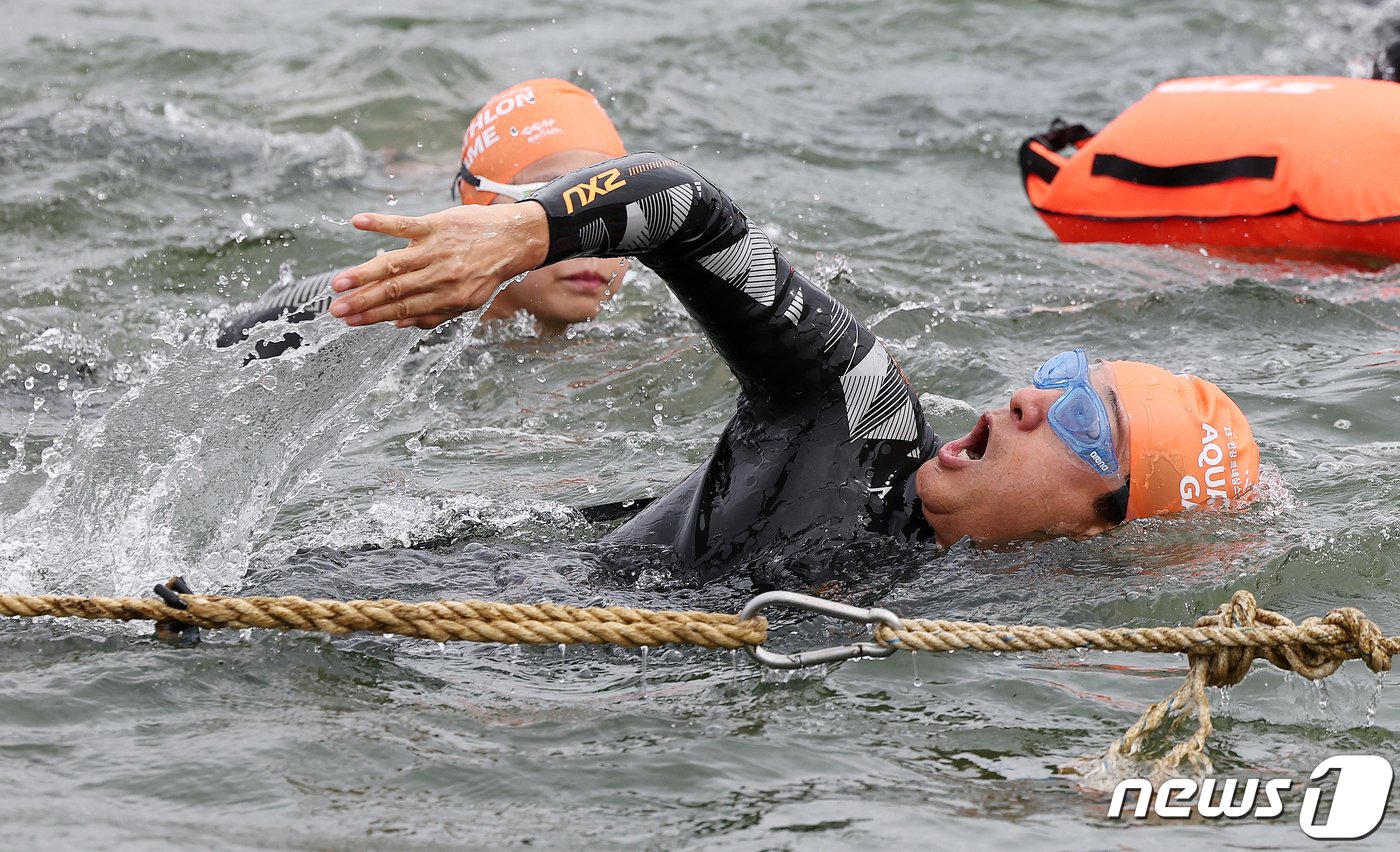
[1079, 416]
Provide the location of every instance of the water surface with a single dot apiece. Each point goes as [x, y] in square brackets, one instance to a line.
[159, 165]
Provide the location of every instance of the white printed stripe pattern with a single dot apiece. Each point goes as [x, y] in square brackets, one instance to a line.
[877, 401]
[841, 322]
[312, 293]
[593, 238]
[656, 216]
[749, 265]
[793, 311]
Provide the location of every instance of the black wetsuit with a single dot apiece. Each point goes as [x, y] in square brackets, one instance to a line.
[295, 301]
[828, 433]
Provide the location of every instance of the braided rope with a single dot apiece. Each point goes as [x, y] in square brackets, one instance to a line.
[1221, 647]
[1229, 641]
[441, 621]
[1314, 649]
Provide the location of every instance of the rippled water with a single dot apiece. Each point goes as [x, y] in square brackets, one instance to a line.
[159, 164]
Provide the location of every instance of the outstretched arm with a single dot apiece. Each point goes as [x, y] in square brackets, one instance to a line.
[784, 338]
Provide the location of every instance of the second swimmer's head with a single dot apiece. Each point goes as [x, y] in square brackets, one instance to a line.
[523, 137]
[525, 124]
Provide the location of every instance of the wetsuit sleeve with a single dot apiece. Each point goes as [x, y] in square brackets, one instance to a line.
[784, 338]
[294, 300]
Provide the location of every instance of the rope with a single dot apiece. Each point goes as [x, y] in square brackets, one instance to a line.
[441, 621]
[1228, 641]
[1221, 647]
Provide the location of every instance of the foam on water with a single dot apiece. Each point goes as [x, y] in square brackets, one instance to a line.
[186, 470]
[183, 470]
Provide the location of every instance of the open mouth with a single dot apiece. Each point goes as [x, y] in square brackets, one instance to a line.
[969, 448]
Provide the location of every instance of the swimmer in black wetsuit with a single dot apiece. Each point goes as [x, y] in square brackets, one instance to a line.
[828, 436]
[523, 137]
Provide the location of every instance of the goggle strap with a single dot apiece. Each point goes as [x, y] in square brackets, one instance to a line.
[1121, 498]
[464, 175]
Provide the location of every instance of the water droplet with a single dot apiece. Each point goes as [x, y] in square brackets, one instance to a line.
[1374, 703]
[600, 426]
[391, 199]
[914, 662]
[1322, 698]
[562, 651]
[646, 653]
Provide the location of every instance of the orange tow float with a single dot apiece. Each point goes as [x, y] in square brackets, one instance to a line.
[1291, 166]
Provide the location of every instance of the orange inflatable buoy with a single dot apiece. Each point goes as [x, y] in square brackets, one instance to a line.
[1288, 165]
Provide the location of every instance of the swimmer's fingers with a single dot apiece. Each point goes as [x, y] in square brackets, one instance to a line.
[433, 263]
[407, 227]
[390, 264]
[380, 291]
[419, 230]
[425, 298]
[422, 310]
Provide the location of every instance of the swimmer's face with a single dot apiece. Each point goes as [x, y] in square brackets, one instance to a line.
[569, 291]
[1012, 478]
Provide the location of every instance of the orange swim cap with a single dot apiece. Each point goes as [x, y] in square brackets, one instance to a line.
[526, 123]
[1188, 443]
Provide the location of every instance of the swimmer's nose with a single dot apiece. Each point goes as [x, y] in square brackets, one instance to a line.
[1029, 405]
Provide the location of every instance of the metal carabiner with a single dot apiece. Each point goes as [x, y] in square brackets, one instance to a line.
[801, 659]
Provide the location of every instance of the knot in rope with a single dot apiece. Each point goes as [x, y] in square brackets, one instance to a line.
[1363, 634]
[1228, 642]
[1228, 666]
[1342, 634]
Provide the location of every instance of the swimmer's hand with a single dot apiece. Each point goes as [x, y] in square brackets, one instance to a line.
[452, 264]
